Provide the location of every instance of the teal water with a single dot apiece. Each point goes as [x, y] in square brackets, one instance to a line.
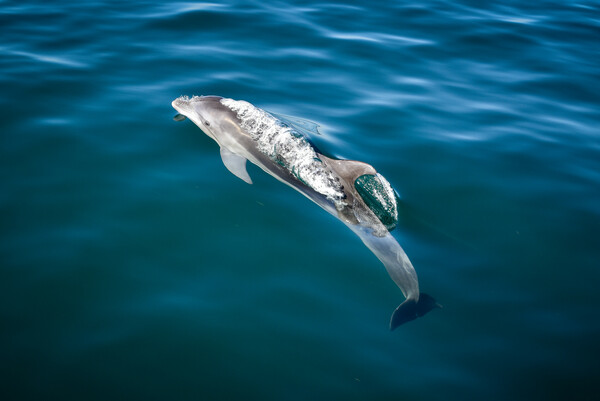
[133, 265]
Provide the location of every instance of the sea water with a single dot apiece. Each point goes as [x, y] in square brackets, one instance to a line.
[133, 265]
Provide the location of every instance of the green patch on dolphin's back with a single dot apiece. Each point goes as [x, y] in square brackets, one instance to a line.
[380, 197]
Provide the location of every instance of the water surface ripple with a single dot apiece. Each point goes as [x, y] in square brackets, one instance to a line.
[134, 265]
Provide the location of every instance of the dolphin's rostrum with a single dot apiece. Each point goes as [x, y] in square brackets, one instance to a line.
[352, 191]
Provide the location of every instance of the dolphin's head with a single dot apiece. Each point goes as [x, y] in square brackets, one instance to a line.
[205, 111]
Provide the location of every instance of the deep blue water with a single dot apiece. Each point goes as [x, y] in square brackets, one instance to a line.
[133, 265]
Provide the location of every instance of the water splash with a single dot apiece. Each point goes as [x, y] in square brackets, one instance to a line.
[287, 147]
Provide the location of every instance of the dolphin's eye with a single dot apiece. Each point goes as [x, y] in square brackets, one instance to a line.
[206, 123]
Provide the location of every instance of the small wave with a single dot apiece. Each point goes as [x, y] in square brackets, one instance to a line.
[376, 37]
[174, 9]
[47, 59]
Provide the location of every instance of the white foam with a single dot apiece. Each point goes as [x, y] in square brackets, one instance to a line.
[287, 147]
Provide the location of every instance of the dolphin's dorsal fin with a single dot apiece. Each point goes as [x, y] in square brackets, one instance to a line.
[236, 164]
[350, 170]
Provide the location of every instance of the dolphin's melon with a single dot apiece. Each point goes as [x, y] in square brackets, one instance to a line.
[380, 197]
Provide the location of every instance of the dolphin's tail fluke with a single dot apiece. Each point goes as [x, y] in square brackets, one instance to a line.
[411, 309]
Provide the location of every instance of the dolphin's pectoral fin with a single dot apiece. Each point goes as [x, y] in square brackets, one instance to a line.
[236, 164]
[411, 309]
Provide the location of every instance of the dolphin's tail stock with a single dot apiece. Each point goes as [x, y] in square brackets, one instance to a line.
[411, 309]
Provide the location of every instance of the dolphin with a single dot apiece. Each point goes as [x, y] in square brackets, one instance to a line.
[350, 190]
